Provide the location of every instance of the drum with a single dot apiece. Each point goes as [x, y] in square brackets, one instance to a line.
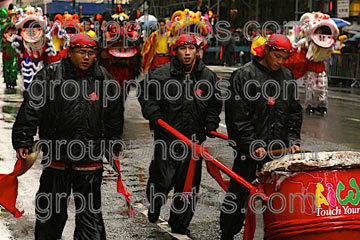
[312, 196]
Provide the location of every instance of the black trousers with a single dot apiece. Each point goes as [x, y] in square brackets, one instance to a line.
[52, 201]
[167, 173]
[232, 220]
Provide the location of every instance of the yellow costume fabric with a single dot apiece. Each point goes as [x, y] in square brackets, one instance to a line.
[162, 46]
[256, 43]
[92, 34]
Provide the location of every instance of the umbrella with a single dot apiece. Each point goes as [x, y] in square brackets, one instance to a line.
[353, 39]
[340, 22]
[5, 3]
[356, 36]
[147, 20]
[354, 27]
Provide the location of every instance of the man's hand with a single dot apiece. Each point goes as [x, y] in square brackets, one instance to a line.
[259, 152]
[295, 148]
[207, 131]
[155, 117]
[22, 153]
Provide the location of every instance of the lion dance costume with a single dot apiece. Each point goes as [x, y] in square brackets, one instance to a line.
[192, 23]
[9, 57]
[31, 42]
[122, 60]
[181, 22]
[62, 29]
[317, 35]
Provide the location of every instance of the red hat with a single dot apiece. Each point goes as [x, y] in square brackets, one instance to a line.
[82, 40]
[278, 42]
[185, 39]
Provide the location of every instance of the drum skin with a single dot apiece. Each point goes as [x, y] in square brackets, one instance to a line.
[309, 205]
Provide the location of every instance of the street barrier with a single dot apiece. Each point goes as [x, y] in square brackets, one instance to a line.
[344, 66]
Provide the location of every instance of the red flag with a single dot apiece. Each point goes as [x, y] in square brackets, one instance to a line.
[9, 187]
[9, 182]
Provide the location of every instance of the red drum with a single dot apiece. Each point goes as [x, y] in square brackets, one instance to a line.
[312, 196]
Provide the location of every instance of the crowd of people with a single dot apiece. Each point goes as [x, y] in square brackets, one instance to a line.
[103, 64]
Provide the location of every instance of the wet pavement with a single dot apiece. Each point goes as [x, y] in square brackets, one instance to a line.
[339, 130]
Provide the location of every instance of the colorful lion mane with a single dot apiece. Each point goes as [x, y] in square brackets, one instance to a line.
[190, 22]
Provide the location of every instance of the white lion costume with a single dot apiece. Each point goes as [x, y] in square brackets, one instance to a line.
[317, 35]
[31, 42]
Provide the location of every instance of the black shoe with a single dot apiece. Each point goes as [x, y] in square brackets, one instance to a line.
[227, 236]
[309, 109]
[183, 231]
[322, 110]
[153, 216]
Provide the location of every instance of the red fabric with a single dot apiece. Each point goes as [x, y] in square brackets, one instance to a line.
[277, 42]
[58, 164]
[63, 53]
[9, 188]
[159, 60]
[82, 40]
[55, 58]
[121, 189]
[184, 39]
[63, 165]
[211, 168]
[298, 64]
[216, 174]
[120, 78]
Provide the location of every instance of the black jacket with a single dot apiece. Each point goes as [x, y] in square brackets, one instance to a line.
[249, 119]
[187, 116]
[47, 105]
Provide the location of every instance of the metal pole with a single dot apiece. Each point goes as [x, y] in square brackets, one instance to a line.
[74, 6]
[296, 9]
[218, 15]
[257, 10]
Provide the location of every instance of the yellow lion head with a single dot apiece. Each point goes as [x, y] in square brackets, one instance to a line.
[189, 22]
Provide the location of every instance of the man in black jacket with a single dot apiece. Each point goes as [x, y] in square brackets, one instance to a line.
[183, 94]
[262, 113]
[69, 102]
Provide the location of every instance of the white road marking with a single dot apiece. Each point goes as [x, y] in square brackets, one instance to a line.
[354, 119]
[163, 224]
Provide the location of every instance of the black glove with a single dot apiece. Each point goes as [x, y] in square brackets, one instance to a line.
[154, 120]
[207, 131]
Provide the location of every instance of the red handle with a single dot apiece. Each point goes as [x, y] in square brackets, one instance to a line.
[208, 156]
[219, 135]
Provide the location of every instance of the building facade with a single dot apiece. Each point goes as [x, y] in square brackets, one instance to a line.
[238, 12]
